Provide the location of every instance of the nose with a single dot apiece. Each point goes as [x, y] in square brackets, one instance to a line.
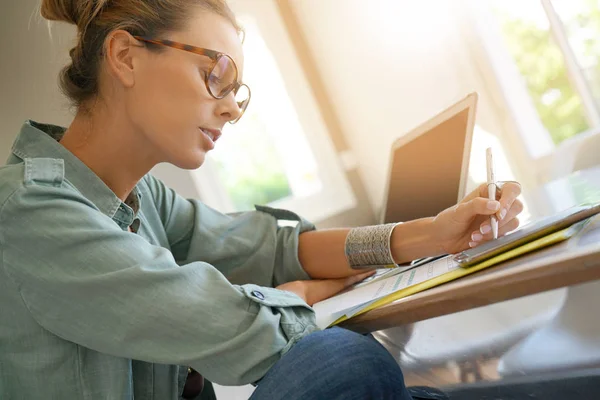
[227, 108]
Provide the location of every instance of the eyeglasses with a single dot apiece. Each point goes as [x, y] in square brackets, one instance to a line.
[222, 76]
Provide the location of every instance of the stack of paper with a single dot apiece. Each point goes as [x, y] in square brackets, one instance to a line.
[352, 302]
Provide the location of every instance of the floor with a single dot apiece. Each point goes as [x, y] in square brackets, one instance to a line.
[442, 376]
[449, 375]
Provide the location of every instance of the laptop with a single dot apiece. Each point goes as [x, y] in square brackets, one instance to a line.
[428, 169]
[428, 172]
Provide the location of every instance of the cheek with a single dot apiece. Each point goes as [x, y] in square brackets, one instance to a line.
[169, 97]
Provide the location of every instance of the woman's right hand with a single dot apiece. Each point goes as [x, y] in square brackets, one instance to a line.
[315, 290]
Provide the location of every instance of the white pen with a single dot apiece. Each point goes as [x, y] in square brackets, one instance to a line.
[491, 184]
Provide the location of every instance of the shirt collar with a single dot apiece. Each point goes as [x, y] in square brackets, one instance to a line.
[41, 141]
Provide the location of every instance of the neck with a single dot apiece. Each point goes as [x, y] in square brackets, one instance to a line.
[111, 147]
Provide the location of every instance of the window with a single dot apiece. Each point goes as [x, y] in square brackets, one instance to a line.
[483, 139]
[279, 153]
[265, 157]
[546, 55]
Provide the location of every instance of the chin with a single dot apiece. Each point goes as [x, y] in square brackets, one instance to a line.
[193, 161]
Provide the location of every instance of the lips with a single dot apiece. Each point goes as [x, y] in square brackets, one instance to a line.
[213, 134]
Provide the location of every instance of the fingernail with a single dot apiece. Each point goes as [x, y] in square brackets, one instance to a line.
[493, 205]
[476, 236]
[485, 229]
[503, 214]
[472, 244]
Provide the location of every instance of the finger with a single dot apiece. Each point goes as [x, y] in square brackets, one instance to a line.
[482, 190]
[516, 209]
[510, 192]
[479, 237]
[510, 185]
[509, 227]
[465, 212]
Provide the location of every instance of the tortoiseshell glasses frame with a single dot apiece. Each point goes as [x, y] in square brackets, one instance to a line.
[222, 76]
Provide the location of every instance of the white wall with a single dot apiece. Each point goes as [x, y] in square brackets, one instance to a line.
[29, 66]
[389, 65]
[417, 46]
[32, 56]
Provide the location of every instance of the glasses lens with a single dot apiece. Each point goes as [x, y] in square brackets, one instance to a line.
[242, 98]
[222, 77]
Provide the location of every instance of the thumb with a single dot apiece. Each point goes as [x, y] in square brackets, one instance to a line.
[478, 206]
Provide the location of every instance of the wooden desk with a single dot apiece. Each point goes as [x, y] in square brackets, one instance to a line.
[568, 263]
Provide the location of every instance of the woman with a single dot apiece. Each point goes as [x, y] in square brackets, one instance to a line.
[113, 286]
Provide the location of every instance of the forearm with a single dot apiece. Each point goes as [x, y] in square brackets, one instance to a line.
[413, 240]
[322, 253]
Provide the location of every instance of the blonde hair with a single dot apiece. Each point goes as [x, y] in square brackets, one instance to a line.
[95, 19]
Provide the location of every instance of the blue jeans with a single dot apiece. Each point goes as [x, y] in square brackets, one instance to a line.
[337, 364]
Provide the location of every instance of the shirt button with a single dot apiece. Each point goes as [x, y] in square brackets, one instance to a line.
[258, 295]
[135, 225]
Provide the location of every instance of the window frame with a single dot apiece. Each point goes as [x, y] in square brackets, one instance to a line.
[541, 155]
[573, 70]
[336, 195]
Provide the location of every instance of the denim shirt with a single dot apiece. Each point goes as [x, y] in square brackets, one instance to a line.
[89, 310]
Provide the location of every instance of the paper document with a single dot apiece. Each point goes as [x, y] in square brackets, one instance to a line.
[377, 294]
[380, 274]
[383, 273]
[351, 302]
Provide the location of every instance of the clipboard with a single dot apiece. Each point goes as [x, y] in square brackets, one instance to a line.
[457, 273]
[527, 233]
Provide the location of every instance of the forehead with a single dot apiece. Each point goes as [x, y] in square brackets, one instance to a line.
[211, 31]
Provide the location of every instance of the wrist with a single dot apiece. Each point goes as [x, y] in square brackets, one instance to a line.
[296, 287]
[414, 239]
[369, 246]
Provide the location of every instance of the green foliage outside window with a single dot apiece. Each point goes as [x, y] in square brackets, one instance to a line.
[542, 64]
[250, 167]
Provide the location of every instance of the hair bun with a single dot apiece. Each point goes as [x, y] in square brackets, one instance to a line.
[61, 10]
[76, 12]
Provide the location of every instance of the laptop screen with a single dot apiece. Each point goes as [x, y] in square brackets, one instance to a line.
[425, 172]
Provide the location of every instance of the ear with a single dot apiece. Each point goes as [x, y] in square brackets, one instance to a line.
[120, 52]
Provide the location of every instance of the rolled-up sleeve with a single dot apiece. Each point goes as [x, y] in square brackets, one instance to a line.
[84, 279]
[248, 247]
